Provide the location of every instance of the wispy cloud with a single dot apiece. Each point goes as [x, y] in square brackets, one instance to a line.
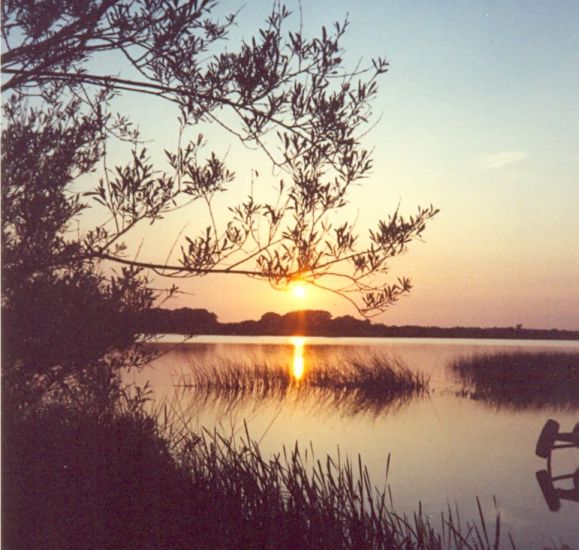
[499, 160]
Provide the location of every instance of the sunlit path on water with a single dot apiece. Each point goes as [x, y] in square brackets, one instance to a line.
[298, 364]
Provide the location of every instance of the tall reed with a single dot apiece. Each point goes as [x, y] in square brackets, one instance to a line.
[293, 500]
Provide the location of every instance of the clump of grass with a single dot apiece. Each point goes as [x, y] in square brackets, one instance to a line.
[353, 385]
[521, 379]
[374, 374]
[227, 375]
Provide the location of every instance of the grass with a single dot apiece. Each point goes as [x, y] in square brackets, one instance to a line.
[522, 379]
[353, 385]
[131, 480]
[373, 375]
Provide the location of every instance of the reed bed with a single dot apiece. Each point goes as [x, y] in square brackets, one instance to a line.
[353, 385]
[293, 500]
[521, 379]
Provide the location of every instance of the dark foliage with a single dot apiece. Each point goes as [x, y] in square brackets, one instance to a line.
[61, 315]
[178, 321]
[75, 481]
[321, 323]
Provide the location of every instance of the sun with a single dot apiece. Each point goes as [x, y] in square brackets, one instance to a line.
[299, 290]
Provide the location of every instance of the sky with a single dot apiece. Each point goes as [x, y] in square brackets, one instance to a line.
[477, 115]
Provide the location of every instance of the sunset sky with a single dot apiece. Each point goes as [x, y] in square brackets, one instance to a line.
[479, 115]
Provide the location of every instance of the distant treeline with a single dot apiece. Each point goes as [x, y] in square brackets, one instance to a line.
[321, 323]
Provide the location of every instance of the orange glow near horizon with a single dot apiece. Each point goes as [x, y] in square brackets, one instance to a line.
[298, 364]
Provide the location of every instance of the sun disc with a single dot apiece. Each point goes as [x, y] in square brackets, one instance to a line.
[299, 290]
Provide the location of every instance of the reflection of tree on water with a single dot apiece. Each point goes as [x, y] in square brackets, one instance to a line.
[353, 384]
[551, 439]
[521, 380]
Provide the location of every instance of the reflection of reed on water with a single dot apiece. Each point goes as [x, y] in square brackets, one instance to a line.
[521, 380]
[353, 385]
[309, 398]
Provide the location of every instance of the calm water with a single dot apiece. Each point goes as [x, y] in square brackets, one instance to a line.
[445, 448]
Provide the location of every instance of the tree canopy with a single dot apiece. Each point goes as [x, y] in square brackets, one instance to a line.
[288, 95]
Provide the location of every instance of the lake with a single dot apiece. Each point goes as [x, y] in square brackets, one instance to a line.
[445, 447]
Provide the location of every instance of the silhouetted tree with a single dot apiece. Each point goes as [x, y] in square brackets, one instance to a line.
[62, 317]
[280, 91]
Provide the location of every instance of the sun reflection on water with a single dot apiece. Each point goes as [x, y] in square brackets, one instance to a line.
[298, 361]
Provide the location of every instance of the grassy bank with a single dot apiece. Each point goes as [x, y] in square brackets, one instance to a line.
[522, 380]
[127, 479]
